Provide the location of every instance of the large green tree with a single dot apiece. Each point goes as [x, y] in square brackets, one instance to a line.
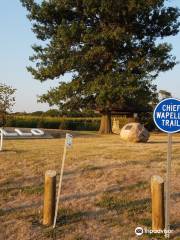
[109, 46]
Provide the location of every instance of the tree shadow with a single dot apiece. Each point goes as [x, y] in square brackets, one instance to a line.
[176, 228]
[175, 195]
[67, 216]
[91, 168]
[13, 151]
[175, 225]
[4, 211]
[19, 183]
[159, 142]
[58, 133]
[112, 189]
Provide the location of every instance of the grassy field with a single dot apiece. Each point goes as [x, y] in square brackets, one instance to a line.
[105, 194]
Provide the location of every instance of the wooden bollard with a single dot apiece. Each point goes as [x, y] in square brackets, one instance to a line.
[49, 197]
[157, 193]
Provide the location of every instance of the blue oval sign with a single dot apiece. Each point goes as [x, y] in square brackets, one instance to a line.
[167, 115]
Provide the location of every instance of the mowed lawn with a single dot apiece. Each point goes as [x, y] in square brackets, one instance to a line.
[105, 193]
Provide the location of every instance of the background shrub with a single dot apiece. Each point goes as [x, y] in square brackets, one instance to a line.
[66, 123]
[78, 124]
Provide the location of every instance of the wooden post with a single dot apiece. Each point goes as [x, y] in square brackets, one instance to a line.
[49, 197]
[157, 192]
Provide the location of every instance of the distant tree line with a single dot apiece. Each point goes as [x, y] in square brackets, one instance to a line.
[83, 113]
[59, 113]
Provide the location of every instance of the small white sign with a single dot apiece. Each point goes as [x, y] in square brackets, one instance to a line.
[69, 140]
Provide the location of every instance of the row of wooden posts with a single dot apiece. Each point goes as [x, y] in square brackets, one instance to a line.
[157, 195]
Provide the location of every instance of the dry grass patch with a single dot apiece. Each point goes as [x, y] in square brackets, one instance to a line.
[105, 194]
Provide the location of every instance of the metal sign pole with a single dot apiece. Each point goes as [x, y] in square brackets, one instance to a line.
[166, 116]
[68, 143]
[60, 183]
[168, 179]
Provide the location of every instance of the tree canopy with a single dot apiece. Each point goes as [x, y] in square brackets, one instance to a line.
[112, 48]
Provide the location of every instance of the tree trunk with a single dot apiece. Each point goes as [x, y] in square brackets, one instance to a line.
[2, 119]
[106, 125]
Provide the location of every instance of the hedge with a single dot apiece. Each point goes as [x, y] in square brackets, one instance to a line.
[78, 124]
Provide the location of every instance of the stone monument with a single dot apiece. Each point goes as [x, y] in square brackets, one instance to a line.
[134, 132]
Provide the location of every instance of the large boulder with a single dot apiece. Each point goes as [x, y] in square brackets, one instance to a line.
[134, 132]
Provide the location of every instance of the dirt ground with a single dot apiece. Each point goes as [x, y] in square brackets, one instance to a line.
[105, 193]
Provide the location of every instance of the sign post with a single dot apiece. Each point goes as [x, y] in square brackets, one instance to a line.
[68, 143]
[167, 118]
[168, 179]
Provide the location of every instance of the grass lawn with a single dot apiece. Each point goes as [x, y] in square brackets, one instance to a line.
[105, 193]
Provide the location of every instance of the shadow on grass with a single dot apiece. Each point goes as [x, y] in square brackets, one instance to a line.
[12, 182]
[139, 185]
[176, 235]
[85, 169]
[58, 133]
[120, 205]
[29, 190]
[67, 217]
[23, 206]
[160, 142]
[90, 168]
[14, 150]
[176, 227]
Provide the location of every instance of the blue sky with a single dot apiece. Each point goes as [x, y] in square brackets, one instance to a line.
[15, 49]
